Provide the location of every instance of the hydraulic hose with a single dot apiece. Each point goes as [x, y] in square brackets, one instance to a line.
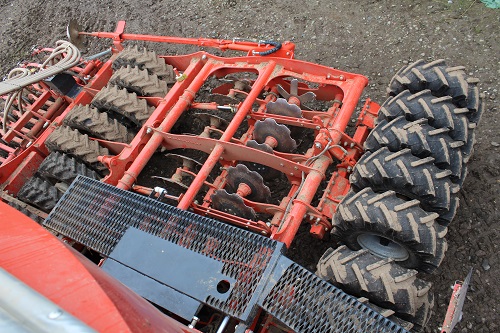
[63, 57]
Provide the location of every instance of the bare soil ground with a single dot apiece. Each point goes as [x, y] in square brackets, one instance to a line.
[371, 37]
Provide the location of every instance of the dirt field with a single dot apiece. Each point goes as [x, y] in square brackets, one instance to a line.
[371, 37]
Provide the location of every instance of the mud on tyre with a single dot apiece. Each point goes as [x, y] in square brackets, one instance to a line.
[390, 227]
[382, 281]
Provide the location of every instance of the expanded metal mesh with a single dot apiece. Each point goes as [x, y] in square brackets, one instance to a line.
[309, 304]
[97, 215]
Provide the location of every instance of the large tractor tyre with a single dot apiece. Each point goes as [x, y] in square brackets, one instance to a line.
[382, 281]
[422, 139]
[139, 81]
[97, 124]
[438, 78]
[410, 176]
[59, 167]
[119, 102]
[39, 193]
[390, 227]
[440, 112]
[80, 146]
[144, 59]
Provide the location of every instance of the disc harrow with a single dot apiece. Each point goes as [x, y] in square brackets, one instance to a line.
[260, 142]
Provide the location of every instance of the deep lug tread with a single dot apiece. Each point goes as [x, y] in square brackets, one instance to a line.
[410, 176]
[63, 168]
[435, 76]
[39, 193]
[139, 81]
[394, 218]
[144, 59]
[440, 112]
[69, 141]
[382, 281]
[112, 99]
[422, 139]
[97, 124]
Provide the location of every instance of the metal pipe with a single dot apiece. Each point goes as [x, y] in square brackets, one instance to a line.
[305, 196]
[223, 325]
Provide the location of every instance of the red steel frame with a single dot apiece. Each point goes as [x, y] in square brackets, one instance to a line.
[331, 141]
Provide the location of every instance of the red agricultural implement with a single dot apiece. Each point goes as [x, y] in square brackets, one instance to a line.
[187, 178]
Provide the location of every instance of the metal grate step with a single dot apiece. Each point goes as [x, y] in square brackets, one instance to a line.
[100, 216]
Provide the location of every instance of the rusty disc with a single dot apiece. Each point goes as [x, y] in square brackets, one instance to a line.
[269, 127]
[266, 172]
[282, 108]
[232, 204]
[241, 174]
[72, 31]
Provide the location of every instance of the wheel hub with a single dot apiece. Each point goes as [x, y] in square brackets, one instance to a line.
[383, 247]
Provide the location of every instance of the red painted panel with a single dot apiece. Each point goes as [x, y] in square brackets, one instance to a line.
[64, 276]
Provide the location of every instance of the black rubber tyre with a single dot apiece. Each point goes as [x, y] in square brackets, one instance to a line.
[139, 81]
[39, 193]
[423, 141]
[387, 313]
[120, 102]
[440, 79]
[97, 124]
[144, 59]
[59, 167]
[21, 206]
[440, 112]
[468, 149]
[382, 281]
[410, 176]
[390, 227]
[69, 141]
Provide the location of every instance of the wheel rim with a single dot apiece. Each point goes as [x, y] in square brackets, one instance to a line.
[383, 247]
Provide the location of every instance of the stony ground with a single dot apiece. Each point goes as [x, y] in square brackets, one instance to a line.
[371, 37]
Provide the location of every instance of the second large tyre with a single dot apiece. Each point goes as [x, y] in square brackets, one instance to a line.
[119, 102]
[423, 141]
[69, 141]
[97, 124]
[435, 76]
[410, 176]
[390, 227]
[139, 81]
[144, 59]
[382, 281]
[440, 112]
[39, 193]
[59, 167]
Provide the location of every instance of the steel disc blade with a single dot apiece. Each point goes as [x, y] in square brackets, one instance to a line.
[282, 108]
[72, 31]
[232, 204]
[269, 127]
[266, 172]
[240, 174]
